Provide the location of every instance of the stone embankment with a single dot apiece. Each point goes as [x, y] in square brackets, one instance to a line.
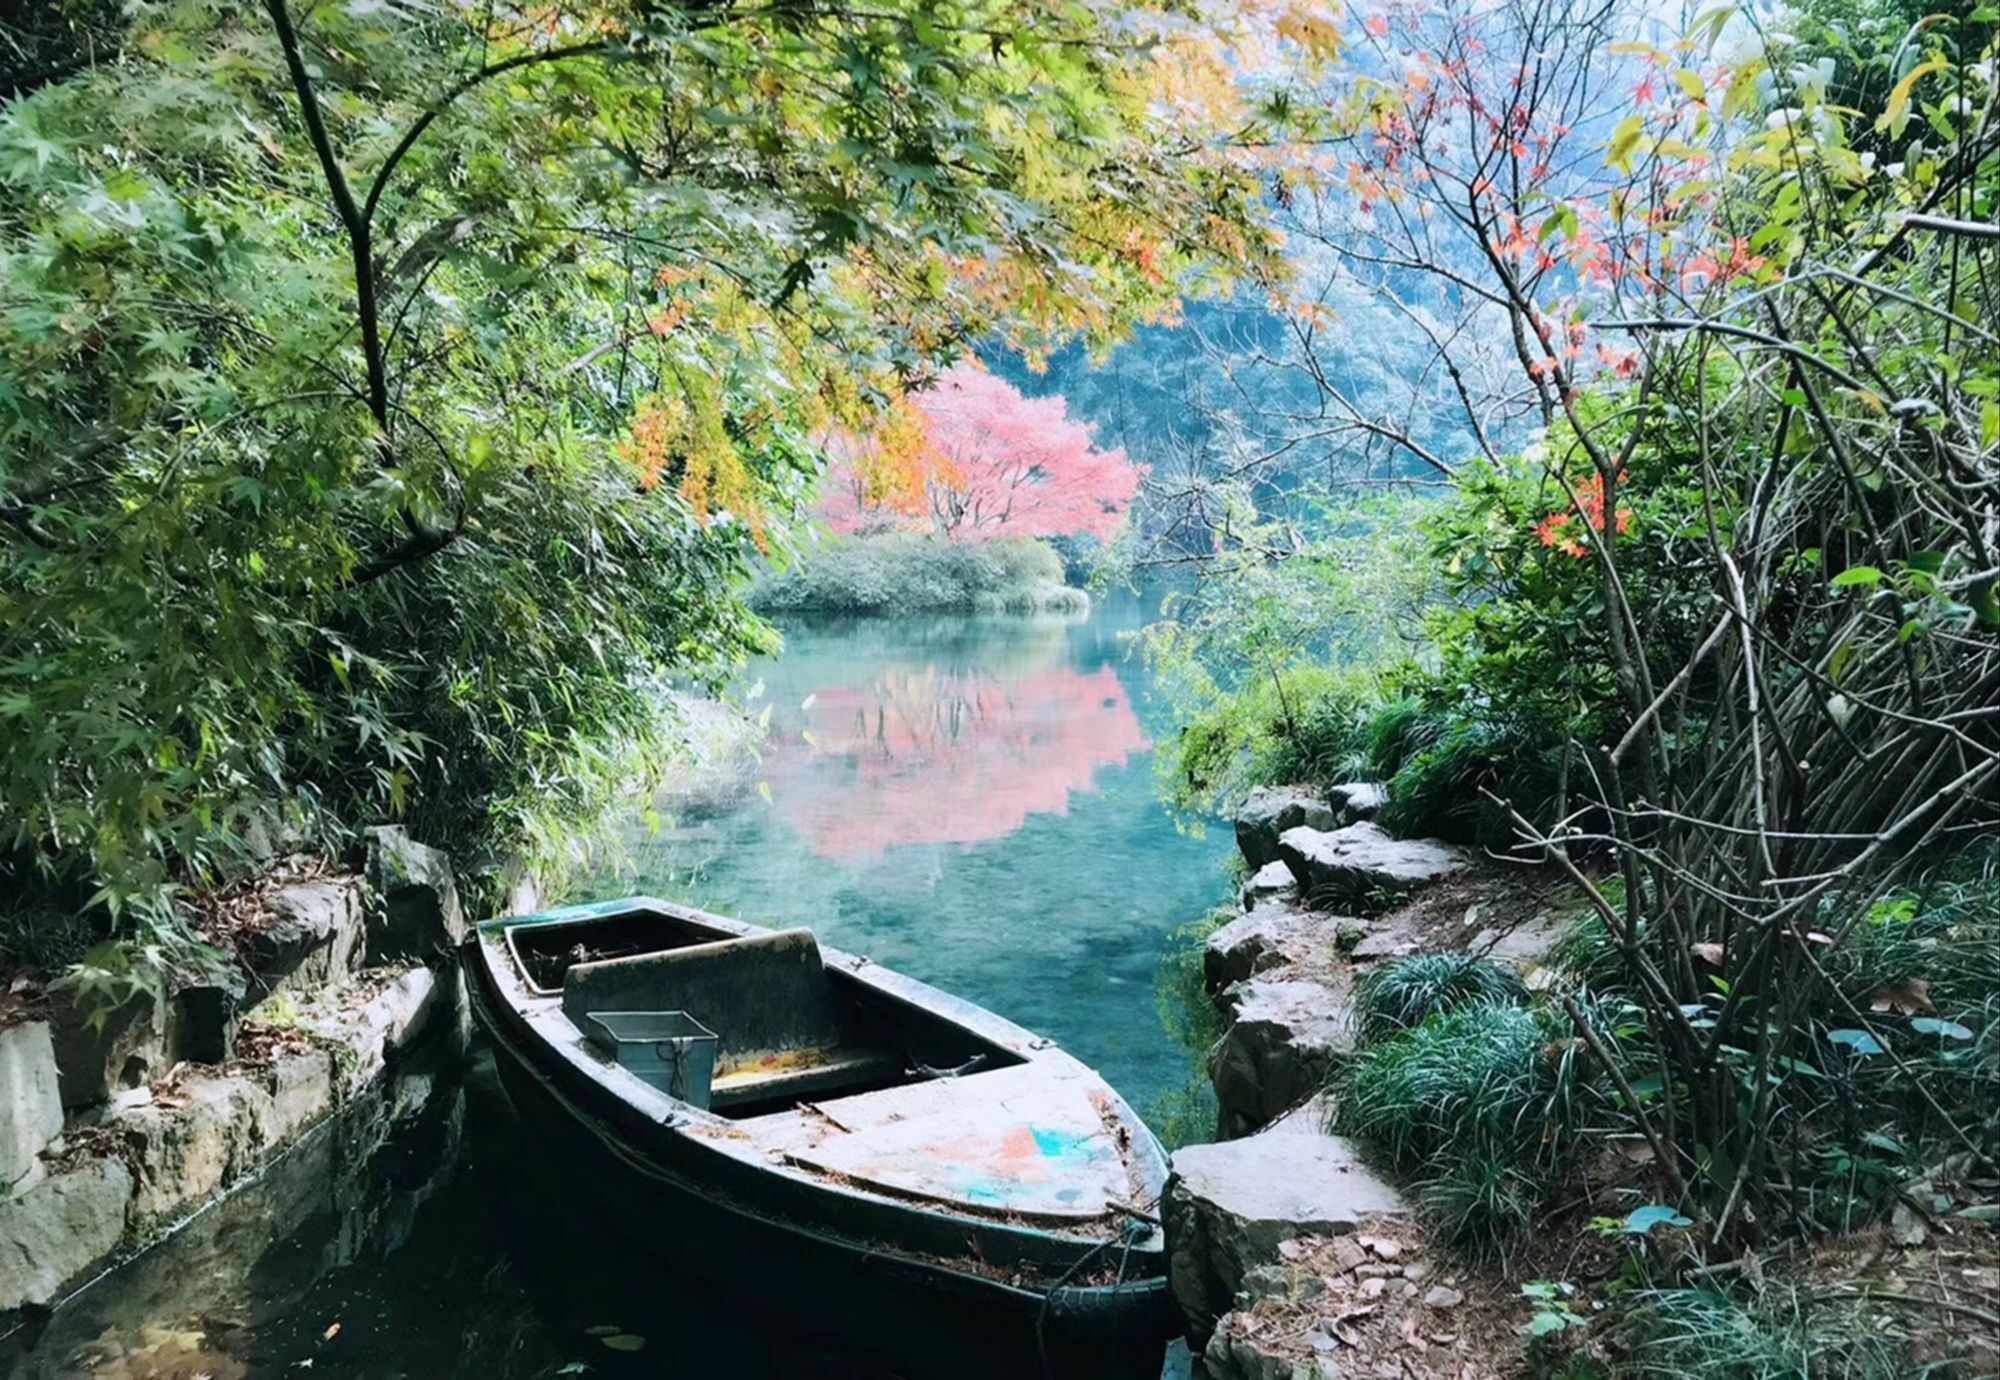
[123, 1113]
[1291, 1259]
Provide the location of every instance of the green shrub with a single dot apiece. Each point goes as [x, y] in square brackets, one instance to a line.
[901, 573]
[1585, 950]
[1406, 992]
[1481, 1104]
[1436, 790]
[1473, 1076]
[1305, 725]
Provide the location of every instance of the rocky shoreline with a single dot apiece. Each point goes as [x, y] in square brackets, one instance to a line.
[122, 1119]
[1290, 1256]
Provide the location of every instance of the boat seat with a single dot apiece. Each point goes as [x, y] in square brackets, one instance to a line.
[767, 997]
[803, 1074]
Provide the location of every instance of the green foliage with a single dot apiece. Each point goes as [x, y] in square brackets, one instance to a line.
[1274, 666]
[1708, 1334]
[1405, 992]
[393, 397]
[906, 573]
[1585, 951]
[1480, 1104]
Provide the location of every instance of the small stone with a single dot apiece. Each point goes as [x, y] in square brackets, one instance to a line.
[1273, 879]
[1417, 1269]
[1377, 1271]
[1383, 1247]
[1443, 1296]
[1374, 1288]
[314, 939]
[1356, 801]
[1347, 1252]
[418, 911]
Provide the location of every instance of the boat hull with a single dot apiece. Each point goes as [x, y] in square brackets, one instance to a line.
[916, 1316]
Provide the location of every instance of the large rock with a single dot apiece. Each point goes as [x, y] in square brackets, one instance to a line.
[1274, 934]
[1284, 1041]
[1228, 1206]
[101, 1049]
[53, 1233]
[31, 1113]
[1269, 811]
[419, 912]
[1356, 801]
[375, 1029]
[1272, 881]
[1361, 866]
[314, 938]
[191, 1144]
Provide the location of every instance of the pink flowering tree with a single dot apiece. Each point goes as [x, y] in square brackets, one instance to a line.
[971, 459]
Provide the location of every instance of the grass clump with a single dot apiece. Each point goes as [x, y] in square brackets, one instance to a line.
[1406, 992]
[1480, 1104]
[1465, 1077]
[1708, 1334]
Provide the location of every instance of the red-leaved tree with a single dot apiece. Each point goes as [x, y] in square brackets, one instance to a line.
[972, 459]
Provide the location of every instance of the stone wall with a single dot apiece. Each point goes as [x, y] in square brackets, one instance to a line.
[119, 1122]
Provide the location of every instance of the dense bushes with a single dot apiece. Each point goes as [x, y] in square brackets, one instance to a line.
[902, 573]
[1488, 1096]
[392, 396]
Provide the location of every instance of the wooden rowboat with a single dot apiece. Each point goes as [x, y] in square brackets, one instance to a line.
[873, 1154]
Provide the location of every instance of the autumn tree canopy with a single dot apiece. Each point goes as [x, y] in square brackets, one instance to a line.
[972, 459]
[389, 394]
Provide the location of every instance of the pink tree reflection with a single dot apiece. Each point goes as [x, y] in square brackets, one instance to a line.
[931, 756]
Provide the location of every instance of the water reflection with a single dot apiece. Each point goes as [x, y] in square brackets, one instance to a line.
[967, 799]
[418, 1236]
[932, 754]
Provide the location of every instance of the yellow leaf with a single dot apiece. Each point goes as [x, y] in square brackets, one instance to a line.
[1624, 139]
[1896, 112]
[1690, 83]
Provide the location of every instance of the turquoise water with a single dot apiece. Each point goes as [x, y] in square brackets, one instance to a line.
[967, 799]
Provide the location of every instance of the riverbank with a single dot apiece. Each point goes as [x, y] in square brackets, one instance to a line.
[123, 1115]
[904, 573]
[1421, 1164]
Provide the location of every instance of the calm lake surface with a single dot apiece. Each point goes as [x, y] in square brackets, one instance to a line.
[969, 800]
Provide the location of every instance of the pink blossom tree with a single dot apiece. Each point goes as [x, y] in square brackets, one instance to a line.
[972, 459]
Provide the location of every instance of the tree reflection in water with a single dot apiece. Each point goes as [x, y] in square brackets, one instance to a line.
[935, 755]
